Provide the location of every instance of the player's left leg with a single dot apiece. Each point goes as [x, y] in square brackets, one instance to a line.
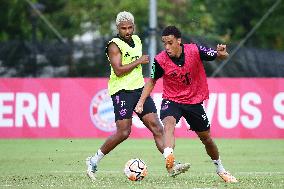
[212, 151]
[209, 144]
[179, 168]
[150, 119]
[198, 121]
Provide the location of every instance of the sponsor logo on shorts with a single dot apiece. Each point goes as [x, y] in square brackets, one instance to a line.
[165, 105]
[123, 112]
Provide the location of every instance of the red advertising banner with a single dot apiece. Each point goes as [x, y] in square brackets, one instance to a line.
[82, 108]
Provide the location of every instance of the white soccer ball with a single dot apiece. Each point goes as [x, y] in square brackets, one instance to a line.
[135, 169]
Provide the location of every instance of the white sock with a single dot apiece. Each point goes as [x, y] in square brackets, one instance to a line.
[167, 151]
[218, 165]
[97, 157]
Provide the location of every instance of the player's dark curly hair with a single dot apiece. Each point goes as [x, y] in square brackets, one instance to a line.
[171, 30]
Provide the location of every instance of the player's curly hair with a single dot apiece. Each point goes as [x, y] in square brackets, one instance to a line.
[124, 16]
[171, 30]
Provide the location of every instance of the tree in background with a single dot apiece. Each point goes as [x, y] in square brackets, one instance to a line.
[235, 18]
[226, 21]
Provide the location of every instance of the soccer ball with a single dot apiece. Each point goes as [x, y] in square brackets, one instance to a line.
[135, 169]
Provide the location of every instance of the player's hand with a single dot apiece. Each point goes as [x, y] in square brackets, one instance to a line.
[221, 48]
[139, 107]
[222, 51]
[144, 59]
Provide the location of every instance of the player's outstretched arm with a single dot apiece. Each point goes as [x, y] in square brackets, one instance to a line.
[222, 52]
[149, 86]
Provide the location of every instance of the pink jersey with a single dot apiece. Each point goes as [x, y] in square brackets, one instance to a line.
[185, 84]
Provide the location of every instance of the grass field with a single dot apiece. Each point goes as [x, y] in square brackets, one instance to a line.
[61, 164]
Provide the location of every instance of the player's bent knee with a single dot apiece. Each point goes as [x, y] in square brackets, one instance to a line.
[124, 134]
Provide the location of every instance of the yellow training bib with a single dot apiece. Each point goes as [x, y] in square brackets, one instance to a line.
[134, 79]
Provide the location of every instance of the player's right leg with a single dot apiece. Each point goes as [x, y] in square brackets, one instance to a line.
[123, 104]
[170, 114]
[91, 168]
[152, 123]
[169, 123]
[121, 134]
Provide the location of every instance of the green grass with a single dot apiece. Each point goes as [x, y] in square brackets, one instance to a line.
[61, 164]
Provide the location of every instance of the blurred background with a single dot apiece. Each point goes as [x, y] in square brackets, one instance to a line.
[67, 38]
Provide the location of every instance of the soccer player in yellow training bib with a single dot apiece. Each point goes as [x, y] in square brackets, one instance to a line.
[125, 86]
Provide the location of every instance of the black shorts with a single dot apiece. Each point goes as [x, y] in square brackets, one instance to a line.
[194, 114]
[124, 102]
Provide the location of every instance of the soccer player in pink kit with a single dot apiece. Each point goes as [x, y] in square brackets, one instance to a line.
[184, 90]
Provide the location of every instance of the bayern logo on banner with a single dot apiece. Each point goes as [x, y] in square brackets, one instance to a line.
[101, 111]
